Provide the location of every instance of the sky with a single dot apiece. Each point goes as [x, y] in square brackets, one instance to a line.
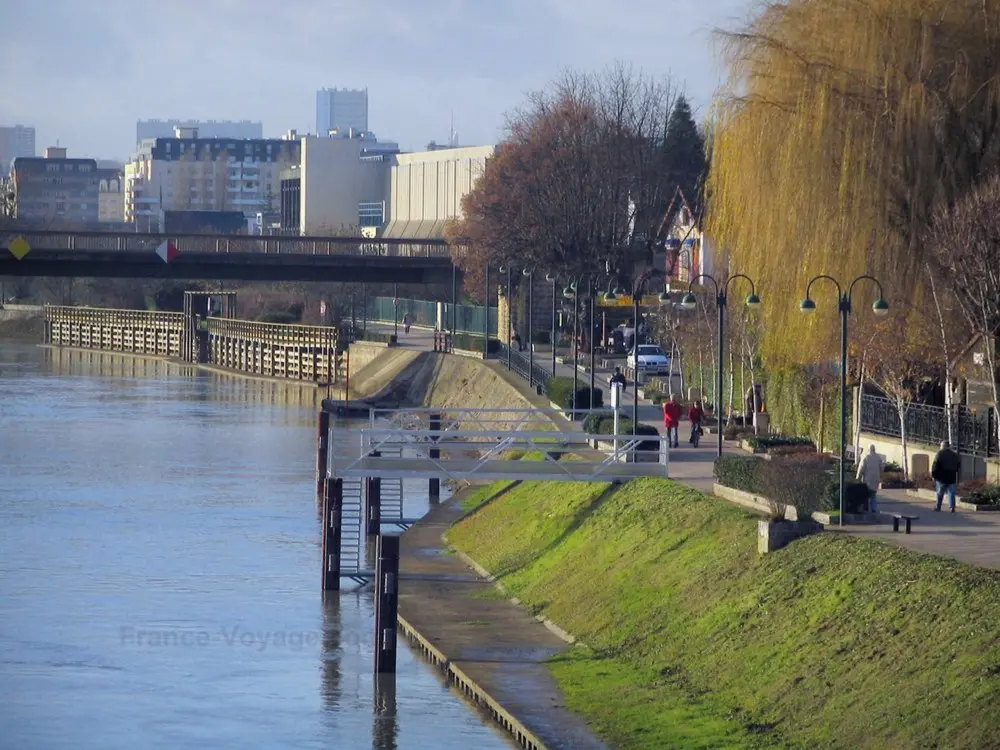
[82, 72]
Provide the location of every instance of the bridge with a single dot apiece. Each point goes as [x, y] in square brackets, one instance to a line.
[224, 257]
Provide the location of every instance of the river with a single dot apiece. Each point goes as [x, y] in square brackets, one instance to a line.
[159, 572]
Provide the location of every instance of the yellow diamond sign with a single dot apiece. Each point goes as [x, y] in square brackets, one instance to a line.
[18, 247]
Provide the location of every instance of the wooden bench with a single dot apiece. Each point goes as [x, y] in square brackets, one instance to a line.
[897, 517]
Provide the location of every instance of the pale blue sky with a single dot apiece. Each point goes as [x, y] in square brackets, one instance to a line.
[83, 71]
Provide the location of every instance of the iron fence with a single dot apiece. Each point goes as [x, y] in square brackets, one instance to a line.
[468, 318]
[533, 372]
[973, 433]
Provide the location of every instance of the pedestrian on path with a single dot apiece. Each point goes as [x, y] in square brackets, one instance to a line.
[672, 420]
[406, 323]
[944, 472]
[870, 472]
[695, 415]
[618, 377]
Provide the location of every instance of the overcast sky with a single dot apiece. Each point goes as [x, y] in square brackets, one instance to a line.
[83, 71]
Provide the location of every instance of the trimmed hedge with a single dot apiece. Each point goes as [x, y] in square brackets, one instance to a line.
[279, 316]
[765, 442]
[470, 343]
[604, 424]
[762, 477]
[988, 495]
[560, 392]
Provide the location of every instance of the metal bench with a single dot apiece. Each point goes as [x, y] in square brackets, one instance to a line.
[897, 517]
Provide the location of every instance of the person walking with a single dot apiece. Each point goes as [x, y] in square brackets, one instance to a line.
[695, 415]
[406, 323]
[944, 472]
[618, 377]
[870, 472]
[672, 420]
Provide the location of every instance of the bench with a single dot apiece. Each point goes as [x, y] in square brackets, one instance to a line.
[897, 517]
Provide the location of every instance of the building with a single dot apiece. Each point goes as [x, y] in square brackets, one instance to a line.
[689, 250]
[242, 130]
[15, 141]
[426, 188]
[191, 173]
[336, 188]
[341, 110]
[55, 190]
[110, 195]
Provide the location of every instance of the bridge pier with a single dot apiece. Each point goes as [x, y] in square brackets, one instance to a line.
[386, 603]
[434, 484]
[373, 502]
[322, 451]
[333, 520]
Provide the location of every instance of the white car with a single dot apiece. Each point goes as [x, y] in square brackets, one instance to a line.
[652, 360]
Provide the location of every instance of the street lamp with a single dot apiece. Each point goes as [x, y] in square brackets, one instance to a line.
[551, 278]
[529, 274]
[879, 307]
[689, 302]
[664, 298]
[570, 293]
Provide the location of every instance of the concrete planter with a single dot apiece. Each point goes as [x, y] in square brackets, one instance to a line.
[773, 535]
[748, 500]
[959, 502]
[467, 353]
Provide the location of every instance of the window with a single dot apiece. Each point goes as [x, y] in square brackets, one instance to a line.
[84, 167]
[51, 167]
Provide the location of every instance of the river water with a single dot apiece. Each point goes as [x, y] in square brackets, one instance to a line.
[159, 572]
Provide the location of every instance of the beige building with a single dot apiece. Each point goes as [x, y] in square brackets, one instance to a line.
[188, 173]
[110, 195]
[426, 188]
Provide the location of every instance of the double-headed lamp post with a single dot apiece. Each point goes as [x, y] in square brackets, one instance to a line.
[689, 302]
[551, 278]
[879, 307]
[637, 288]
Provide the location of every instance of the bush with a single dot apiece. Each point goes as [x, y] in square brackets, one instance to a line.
[738, 472]
[892, 466]
[468, 342]
[277, 316]
[604, 424]
[801, 483]
[785, 451]
[377, 336]
[986, 495]
[855, 495]
[560, 392]
[541, 337]
[737, 432]
[765, 442]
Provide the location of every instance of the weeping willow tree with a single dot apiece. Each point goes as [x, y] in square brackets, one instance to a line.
[845, 124]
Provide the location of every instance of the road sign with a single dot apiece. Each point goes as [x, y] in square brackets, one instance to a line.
[395, 302]
[18, 247]
[167, 251]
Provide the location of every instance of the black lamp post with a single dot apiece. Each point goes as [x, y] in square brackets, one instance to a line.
[638, 285]
[529, 273]
[551, 277]
[486, 317]
[879, 307]
[395, 311]
[570, 292]
[721, 298]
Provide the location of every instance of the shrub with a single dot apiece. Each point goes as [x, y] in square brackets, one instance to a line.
[793, 482]
[541, 337]
[468, 342]
[604, 424]
[855, 495]
[560, 391]
[791, 450]
[986, 495]
[377, 336]
[277, 316]
[737, 432]
[892, 466]
[738, 472]
[766, 442]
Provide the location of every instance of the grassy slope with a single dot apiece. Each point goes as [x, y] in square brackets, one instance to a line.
[697, 642]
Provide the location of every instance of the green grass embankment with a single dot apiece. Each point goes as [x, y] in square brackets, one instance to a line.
[694, 641]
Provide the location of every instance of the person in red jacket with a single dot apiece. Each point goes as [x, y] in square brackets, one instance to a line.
[695, 415]
[672, 420]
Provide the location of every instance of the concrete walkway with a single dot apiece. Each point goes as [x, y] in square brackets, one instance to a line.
[488, 643]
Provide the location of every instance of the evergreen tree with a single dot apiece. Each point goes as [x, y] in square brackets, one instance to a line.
[684, 148]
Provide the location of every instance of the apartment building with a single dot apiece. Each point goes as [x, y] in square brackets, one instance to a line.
[55, 190]
[15, 141]
[191, 173]
[110, 195]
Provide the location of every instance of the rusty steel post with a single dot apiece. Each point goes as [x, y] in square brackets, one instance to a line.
[322, 451]
[386, 603]
[373, 502]
[333, 516]
[434, 484]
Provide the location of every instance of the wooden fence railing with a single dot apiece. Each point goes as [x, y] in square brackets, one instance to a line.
[294, 352]
[136, 331]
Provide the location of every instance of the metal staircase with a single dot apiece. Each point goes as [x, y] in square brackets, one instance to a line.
[352, 532]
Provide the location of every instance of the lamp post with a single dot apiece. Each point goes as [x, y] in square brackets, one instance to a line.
[570, 292]
[637, 287]
[395, 311]
[486, 317]
[529, 273]
[879, 307]
[551, 277]
[721, 298]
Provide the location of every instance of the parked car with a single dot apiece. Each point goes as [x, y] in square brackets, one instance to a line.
[652, 360]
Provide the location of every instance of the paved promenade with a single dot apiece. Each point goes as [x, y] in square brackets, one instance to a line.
[967, 536]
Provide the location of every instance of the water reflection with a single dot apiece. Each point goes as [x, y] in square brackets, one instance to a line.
[159, 575]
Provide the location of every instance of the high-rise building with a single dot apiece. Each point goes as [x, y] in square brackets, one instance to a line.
[55, 189]
[191, 173]
[341, 109]
[15, 141]
[244, 129]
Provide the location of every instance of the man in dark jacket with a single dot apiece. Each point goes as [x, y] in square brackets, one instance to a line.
[944, 472]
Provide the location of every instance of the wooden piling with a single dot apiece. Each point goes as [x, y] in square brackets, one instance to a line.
[434, 484]
[322, 450]
[373, 502]
[333, 518]
[386, 603]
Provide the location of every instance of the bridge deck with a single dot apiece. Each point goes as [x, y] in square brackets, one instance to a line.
[493, 470]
